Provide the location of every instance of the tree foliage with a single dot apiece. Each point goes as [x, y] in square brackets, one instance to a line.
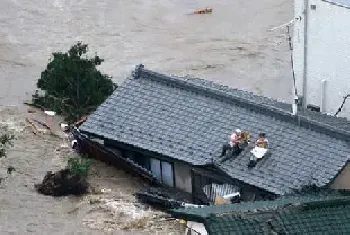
[6, 140]
[79, 166]
[71, 85]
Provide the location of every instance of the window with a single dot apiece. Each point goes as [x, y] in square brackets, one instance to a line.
[155, 168]
[167, 174]
[163, 170]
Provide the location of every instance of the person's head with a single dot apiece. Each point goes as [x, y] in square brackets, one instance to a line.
[262, 135]
[238, 131]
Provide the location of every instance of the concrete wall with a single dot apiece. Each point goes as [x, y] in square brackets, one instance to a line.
[343, 179]
[328, 57]
[183, 176]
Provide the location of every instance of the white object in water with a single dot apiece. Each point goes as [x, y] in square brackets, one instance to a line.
[106, 190]
[50, 117]
[74, 143]
[64, 126]
[259, 152]
[64, 146]
[50, 113]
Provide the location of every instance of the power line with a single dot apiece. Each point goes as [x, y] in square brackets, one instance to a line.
[342, 105]
[288, 25]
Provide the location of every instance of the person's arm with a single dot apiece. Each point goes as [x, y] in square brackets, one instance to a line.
[261, 142]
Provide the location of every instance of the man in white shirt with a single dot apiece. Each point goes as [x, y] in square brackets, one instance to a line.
[259, 151]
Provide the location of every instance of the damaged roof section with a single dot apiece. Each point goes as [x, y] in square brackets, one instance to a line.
[327, 216]
[200, 214]
[189, 119]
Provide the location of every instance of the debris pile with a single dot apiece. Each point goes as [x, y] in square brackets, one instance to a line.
[62, 183]
[130, 216]
[163, 198]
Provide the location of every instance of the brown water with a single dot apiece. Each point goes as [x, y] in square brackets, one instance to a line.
[232, 46]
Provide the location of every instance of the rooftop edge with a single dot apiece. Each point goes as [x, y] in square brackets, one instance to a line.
[221, 92]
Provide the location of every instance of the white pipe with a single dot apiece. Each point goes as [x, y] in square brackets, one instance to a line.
[306, 5]
[295, 105]
[323, 96]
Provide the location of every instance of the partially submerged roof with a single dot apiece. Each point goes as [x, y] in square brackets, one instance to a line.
[330, 216]
[199, 214]
[188, 119]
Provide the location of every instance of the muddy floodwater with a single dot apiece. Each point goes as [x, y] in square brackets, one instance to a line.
[232, 46]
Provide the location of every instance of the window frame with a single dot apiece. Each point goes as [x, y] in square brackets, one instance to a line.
[161, 170]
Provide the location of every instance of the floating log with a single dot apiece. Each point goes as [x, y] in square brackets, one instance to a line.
[43, 124]
[34, 128]
[203, 11]
[81, 121]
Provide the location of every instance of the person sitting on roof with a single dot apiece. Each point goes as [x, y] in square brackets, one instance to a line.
[261, 147]
[262, 142]
[233, 144]
[235, 138]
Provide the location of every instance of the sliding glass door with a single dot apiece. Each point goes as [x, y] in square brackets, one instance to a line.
[163, 170]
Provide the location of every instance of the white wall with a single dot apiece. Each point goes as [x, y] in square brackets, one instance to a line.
[328, 54]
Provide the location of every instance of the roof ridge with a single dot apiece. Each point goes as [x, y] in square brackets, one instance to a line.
[270, 106]
[257, 207]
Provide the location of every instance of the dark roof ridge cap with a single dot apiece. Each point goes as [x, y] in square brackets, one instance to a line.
[327, 202]
[209, 90]
[278, 113]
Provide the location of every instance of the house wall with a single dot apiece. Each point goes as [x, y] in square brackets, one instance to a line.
[249, 193]
[343, 179]
[328, 33]
[183, 176]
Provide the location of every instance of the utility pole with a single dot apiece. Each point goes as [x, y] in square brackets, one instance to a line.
[305, 69]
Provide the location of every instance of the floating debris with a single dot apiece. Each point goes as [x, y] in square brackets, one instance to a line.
[203, 11]
[10, 169]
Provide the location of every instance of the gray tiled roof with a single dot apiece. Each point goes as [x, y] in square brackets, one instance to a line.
[329, 216]
[189, 119]
[198, 214]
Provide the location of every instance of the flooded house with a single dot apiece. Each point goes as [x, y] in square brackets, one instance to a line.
[303, 214]
[176, 128]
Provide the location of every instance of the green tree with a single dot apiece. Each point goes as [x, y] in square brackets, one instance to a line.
[6, 140]
[79, 166]
[71, 85]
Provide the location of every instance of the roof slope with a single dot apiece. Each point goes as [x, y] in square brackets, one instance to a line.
[325, 217]
[189, 119]
[199, 214]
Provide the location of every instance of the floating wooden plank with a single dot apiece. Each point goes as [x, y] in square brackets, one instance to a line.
[203, 11]
[34, 128]
[81, 121]
[43, 124]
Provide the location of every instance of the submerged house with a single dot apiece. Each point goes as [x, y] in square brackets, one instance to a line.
[175, 127]
[307, 214]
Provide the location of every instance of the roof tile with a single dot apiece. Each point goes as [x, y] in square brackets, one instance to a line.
[189, 119]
